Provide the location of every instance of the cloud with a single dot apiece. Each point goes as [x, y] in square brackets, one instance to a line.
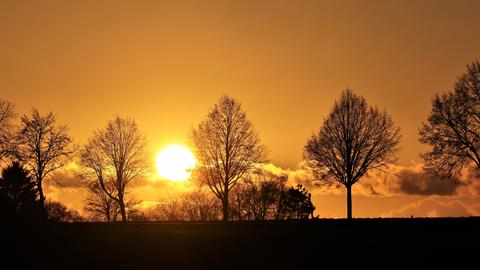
[393, 181]
[438, 207]
[470, 183]
[147, 205]
[300, 176]
[412, 180]
[67, 177]
[396, 181]
[72, 197]
[407, 180]
[418, 183]
[142, 181]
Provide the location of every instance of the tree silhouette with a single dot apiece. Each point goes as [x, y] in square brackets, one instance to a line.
[58, 212]
[43, 147]
[198, 205]
[295, 203]
[138, 215]
[18, 194]
[99, 205]
[113, 157]
[227, 147]
[7, 114]
[171, 210]
[256, 197]
[354, 139]
[194, 205]
[453, 127]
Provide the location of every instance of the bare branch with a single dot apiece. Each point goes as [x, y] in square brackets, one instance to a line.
[354, 139]
[7, 142]
[227, 147]
[453, 127]
[113, 157]
[43, 146]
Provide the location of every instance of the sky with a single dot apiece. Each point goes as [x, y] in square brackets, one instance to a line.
[165, 63]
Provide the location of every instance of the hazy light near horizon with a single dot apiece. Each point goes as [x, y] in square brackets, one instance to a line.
[175, 162]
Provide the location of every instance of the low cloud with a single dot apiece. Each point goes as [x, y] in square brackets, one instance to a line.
[72, 197]
[147, 205]
[444, 194]
[300, 176]
[393, 181]
[403, 180]
[418, 183]
[67, 177]
[438, 207]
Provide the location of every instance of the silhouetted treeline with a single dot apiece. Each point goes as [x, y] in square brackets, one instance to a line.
[261, 197]
[36, 148]
[19, 200]
[265, 196]
[354, 139]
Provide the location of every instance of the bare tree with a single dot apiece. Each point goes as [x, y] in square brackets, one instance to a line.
[7, 114]
[113, 157]
[43, 147]
[354, 139]
[453, 127]
[195, 205]
[198, 205]
[171, 210]
[137, 214]
[256, 196]
[227, 147]
[56, 211]
[99, 205]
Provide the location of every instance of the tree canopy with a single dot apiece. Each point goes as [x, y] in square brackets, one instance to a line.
[453, 126]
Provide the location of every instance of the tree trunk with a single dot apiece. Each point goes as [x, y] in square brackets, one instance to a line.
[225, 207]
[108, 215]
[121, 204]
[349, 201]
[42, 200]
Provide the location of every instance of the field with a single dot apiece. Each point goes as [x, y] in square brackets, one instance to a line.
[318, 244]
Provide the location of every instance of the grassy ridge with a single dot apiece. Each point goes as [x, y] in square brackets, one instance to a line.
[371, 243]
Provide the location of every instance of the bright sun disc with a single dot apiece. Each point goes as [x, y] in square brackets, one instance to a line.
[174, 163]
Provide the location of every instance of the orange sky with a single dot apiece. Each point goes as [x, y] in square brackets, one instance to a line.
[165, 63]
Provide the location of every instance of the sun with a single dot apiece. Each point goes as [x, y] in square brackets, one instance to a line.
[175, 162]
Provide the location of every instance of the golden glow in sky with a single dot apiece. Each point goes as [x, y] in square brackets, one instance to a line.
[285, 61]
[175, 162]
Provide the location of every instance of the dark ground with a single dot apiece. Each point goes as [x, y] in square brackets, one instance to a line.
[321, 244]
